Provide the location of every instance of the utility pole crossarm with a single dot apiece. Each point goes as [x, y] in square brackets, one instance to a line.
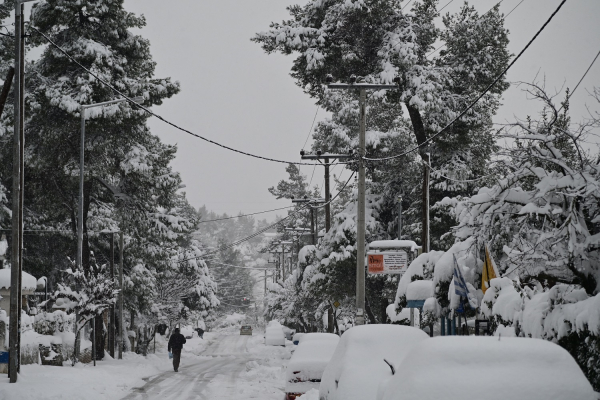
[366, 86]
[324, 156]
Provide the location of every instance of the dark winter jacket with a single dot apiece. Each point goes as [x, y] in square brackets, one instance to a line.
[176, 341]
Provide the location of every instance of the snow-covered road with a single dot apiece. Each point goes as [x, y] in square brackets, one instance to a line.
[225, 357]
[224, 365]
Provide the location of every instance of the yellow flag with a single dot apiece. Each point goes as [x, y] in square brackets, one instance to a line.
[489, 271]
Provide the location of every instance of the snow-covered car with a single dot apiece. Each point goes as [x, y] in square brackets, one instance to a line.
[289, 332]
[360, 362]
[305, 369]
[297, 336]
[500, 368]
[246, 330]
[274, 334]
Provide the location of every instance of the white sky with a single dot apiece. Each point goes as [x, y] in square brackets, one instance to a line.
[234, 93]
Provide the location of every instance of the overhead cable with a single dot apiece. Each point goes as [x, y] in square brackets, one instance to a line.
[584, 74]
[281, 221]
[487, 89]
[158, 116]
[443, 44]
[515, 7]
[244, 215]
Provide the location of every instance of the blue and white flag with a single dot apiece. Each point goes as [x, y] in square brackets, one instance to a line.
[461, 289]
[460, 286]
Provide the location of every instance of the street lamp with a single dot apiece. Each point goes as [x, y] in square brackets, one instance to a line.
[81, 165]
[84, 107]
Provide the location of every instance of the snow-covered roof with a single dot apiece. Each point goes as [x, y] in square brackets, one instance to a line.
[393, 244]
[505, 368]
[419, 290]
[28, 282]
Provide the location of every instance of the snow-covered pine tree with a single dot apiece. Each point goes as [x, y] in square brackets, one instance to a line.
[376, 41]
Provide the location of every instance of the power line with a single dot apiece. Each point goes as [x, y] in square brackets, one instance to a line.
[281, 221]
[510, 12]
[406, 5]
[447, 4]
[158, 116]
[584, 74]
[484, 14]
[444, 129]
[237, 266]
[244, 215]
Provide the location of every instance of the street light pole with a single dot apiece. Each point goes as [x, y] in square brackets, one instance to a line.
[360, 229]
[80, 208]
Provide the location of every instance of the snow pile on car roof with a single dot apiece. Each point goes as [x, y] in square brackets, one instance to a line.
[274, 335]
[491, 368]
[357, 367]
[309, 361]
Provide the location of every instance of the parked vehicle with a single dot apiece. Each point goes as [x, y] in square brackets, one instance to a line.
[297, 336]
[289, 332]
[274, 334]
[451, 367]
[305, 369]
[364, 359]
[246, 330]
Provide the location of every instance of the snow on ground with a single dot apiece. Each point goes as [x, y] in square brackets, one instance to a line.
[263, 375]
[230, 366]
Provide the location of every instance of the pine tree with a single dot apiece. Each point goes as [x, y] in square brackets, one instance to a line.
[376, 41]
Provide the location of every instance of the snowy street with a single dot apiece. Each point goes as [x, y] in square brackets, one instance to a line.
[222, 366]
[215, 375]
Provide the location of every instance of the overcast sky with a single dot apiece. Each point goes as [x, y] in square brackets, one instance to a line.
[234, 93]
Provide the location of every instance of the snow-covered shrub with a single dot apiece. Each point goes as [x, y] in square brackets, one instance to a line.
[48, 323]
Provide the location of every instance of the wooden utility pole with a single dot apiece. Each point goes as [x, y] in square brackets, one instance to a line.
[360, 234]
[360, 229]
[121, 319]
[326, 157]
[111, 312]
[17, 201]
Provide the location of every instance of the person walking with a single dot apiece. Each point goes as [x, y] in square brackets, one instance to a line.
[176, 342]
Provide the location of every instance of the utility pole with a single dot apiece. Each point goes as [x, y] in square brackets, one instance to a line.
[297, 232]
[121, 319]
[326, 157]
[111, 313]
[282, 243]
[17, 198]
[312, 203]
[360, 229]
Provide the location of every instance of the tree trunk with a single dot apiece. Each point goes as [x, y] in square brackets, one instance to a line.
[421, 136]
[100, 334]
[6, 88]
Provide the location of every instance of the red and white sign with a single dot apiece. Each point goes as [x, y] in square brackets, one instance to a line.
[388, 262]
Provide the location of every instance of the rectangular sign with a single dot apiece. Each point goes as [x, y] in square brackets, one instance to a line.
[389, 262]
